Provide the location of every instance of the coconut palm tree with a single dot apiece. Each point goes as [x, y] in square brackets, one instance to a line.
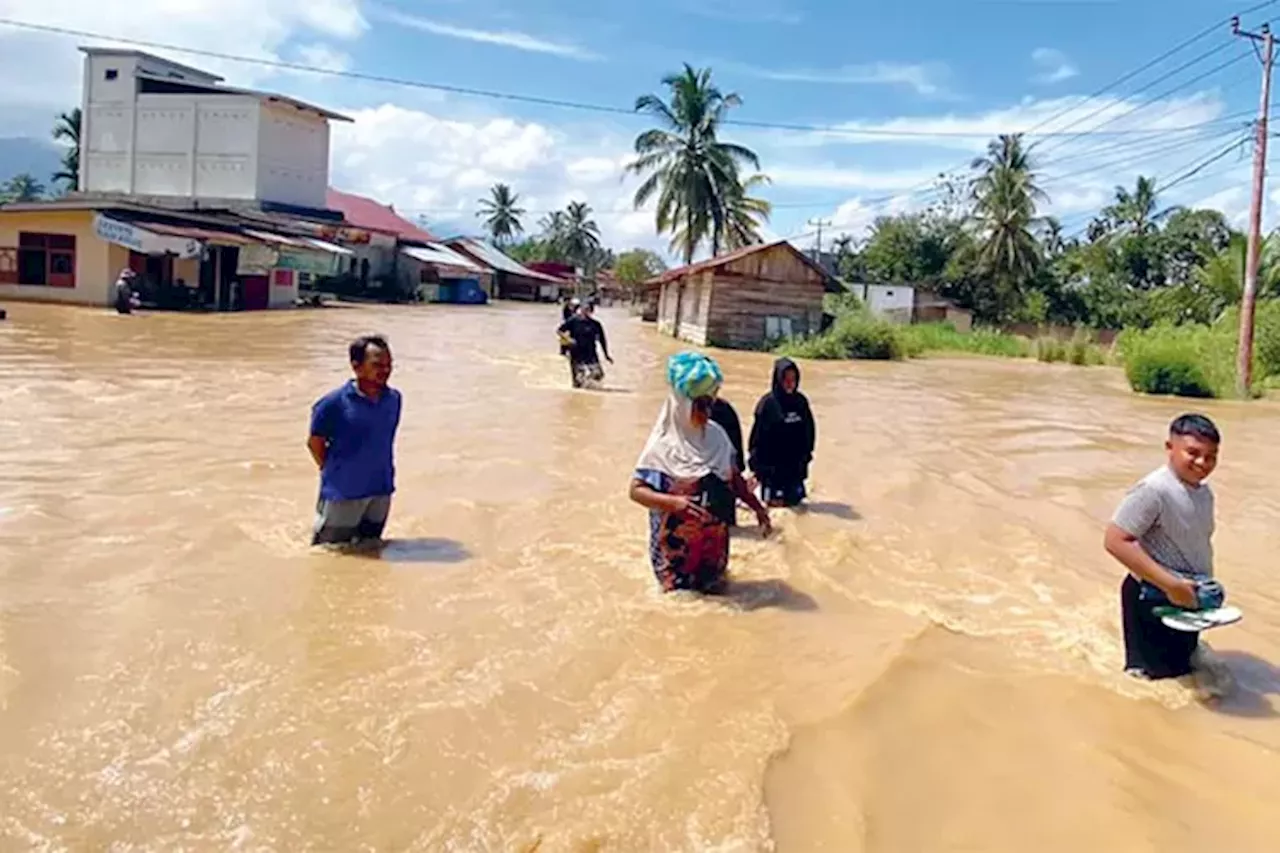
[67, 129]
[686, 167]
[1005, 198]
[581, 234]
[743, 216]
[553, 227]
[502, 214]
[1137, 212]
[22, 187]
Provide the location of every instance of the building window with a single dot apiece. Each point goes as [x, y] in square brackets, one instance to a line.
[111, 74]
[778, 328]
[46, 259]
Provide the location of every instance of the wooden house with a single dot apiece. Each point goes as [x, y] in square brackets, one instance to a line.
[746, 299]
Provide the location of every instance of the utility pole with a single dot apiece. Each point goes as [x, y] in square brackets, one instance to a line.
[1244, 354]
[820, 223]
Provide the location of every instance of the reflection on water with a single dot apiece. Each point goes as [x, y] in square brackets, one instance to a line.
[926, 659]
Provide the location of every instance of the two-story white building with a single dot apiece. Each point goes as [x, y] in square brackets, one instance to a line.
[152, 127]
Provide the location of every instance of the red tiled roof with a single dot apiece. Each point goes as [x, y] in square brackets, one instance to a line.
[366, 213]
[721, 260]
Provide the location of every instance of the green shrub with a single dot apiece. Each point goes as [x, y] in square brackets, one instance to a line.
[1185, 361]
[839, 304]
[851, 336]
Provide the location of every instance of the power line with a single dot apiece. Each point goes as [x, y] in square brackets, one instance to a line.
[1131, 158]
[1184, 175]
[1156, 98]
[1207, 31]
[838, 130]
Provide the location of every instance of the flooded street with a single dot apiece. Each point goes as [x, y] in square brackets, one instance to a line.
[928, 660]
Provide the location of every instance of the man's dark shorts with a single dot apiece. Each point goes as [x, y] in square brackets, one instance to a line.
[346, 522]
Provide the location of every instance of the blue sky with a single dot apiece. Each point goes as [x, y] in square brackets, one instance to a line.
[965, 66]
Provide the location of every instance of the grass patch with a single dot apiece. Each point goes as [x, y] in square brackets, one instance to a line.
[856, 334]
[1080, 349]
[924, 338]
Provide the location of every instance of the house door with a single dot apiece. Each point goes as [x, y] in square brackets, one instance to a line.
[256, 292]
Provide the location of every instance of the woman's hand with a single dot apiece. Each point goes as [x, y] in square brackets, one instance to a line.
[681, 505]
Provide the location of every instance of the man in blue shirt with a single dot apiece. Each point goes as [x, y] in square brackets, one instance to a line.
[353, 432]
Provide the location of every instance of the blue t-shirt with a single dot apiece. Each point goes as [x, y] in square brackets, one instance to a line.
[361, 434]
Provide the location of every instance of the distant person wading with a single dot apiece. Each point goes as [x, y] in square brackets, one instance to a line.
[581, 334]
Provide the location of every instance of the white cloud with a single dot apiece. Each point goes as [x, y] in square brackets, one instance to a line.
[834, 177]
[323, 57]
[1053, 64]
[971, 132]
[925, 79]
[426, 164]
[501, 38]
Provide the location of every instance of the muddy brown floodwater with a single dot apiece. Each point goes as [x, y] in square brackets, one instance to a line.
[928, 660]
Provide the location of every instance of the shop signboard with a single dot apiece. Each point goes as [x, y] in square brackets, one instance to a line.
[142, 241]
[315, 263]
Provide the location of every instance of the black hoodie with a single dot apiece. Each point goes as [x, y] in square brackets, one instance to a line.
[784, 432]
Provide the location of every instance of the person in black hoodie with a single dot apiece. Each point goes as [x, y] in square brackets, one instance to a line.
[783, 438]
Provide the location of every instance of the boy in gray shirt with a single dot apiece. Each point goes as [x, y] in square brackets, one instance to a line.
[1162, 533]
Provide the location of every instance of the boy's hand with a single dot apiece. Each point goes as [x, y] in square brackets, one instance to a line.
[1182, 592]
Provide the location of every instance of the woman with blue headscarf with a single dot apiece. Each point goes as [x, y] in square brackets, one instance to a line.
[688, 480]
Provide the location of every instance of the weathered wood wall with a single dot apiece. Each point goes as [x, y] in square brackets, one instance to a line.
[728, 305]
[773, 283]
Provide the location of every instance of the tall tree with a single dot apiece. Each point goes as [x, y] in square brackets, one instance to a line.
[67, 129]
[1005, 198]
[581, 234]
[1136, 213]
[501, 212]
[693, 175]
[22, 187]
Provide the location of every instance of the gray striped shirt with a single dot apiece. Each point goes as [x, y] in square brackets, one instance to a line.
[1173, 522]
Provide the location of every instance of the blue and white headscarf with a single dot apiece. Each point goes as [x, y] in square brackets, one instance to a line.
[693, 375]
[676, 447]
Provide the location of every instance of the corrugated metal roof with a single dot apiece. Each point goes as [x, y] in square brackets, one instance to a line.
[497, 260]
[362, 212]
[729, 257]
[439, 255]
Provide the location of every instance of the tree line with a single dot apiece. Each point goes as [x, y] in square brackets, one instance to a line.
[986, 247]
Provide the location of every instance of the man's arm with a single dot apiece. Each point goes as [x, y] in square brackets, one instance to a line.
[322, 415]
[743, 492]
[604, 343]
[319, 447]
